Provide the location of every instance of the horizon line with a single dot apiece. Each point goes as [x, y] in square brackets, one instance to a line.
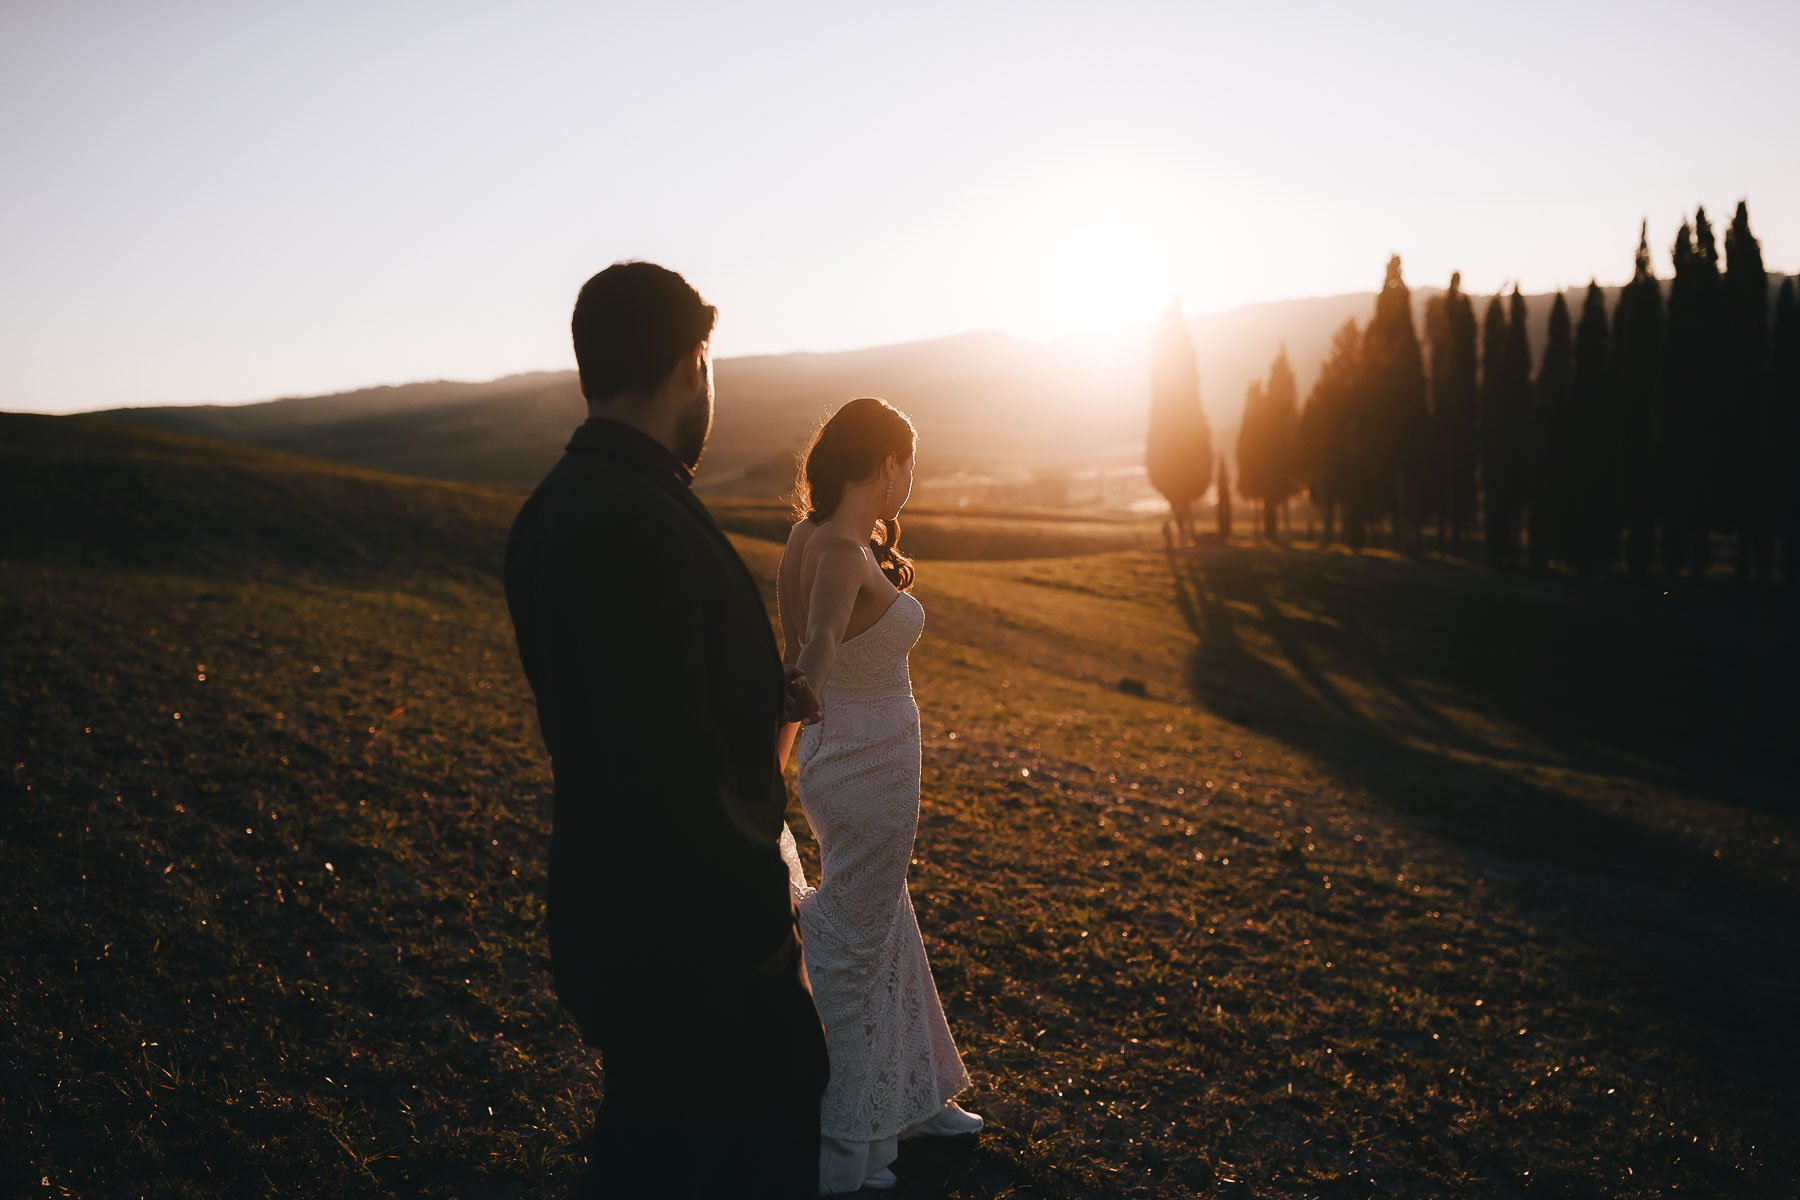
[1052, 339]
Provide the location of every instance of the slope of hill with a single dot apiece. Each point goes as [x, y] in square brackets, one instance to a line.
[80, 491]
[298, 414]
[1242, 872]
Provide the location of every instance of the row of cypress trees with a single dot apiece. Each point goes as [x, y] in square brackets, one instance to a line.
[1631, 439]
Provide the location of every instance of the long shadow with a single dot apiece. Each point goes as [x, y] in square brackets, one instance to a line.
[1719, 984]
[1693, 687]
[1257, 685]
[1340, 633]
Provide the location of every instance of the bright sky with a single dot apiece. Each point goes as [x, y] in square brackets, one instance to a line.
[234, 201]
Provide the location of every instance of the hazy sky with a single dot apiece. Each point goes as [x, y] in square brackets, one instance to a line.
[217, 202]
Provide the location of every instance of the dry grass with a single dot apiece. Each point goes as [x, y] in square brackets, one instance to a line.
[1397, 878]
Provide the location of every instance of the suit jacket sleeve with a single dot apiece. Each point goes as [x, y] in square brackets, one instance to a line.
[682, 794]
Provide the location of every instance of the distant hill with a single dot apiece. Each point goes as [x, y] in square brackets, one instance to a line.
[994, 412]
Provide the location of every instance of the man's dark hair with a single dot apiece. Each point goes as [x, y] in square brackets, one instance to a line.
[633, 322]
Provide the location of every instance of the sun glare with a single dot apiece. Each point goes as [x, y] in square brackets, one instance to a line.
[1090, 251]
[1102, 275]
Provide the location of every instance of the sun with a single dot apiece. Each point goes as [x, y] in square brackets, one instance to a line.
[1104, 273]
[1095, 250]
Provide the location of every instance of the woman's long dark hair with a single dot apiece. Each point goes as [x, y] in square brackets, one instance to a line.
[848, 449]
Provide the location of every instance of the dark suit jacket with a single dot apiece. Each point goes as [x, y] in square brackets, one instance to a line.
[659, 689]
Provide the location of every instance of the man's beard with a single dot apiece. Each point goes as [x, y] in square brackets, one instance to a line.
[694, 428]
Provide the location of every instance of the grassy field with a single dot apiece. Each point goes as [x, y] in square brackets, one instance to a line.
[1244, 872]
[965, 534]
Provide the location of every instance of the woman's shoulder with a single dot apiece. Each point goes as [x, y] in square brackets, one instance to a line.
[816, 544]
[799, 540]
[824, 548]
[800, 533]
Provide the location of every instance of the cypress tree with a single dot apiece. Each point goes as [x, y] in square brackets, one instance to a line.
[1436, 334]
[1552, 446]
[1274, 443]
[1708, 414]
[1284, 432]
[1398, 468]
[1518, 386]
[1638, 373]
[1679, 402]
[1593, 458]
[1252, 447]
[1311, 449]
[1224, 507]
[1692, 428]
[1496, 486]
[1359, 456]
[1178, 449]
[1784, 383]
[1746, 462]
[1451, 333]
[1323, 427]
[1511, 371]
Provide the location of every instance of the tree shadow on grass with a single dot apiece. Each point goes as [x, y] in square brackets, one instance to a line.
[1692, 689]
[1717, 982]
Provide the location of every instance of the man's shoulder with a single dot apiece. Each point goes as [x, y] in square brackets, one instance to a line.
[599, 499]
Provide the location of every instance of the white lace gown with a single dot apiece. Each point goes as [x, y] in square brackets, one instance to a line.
[893, 1061]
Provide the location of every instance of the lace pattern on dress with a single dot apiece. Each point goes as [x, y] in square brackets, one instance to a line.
[893, 1060]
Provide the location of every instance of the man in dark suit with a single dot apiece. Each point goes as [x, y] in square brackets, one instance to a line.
[660, 691]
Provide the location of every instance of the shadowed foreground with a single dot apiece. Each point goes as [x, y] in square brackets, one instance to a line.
[1397, 879]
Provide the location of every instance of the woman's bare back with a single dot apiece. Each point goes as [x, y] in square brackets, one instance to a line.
[794, 582]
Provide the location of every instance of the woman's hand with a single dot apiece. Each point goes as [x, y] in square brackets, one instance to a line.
[801, 703]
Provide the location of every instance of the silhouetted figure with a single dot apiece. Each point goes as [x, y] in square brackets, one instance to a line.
[1178, 451]
[659, 691]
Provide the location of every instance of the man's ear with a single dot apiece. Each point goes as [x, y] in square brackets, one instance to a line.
[693, 367]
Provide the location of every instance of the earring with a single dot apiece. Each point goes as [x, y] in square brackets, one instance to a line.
[890, 491]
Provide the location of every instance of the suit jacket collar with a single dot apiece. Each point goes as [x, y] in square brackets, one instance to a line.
[598, 438]
[632, 447]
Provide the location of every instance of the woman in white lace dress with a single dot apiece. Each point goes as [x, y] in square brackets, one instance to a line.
[849, 622]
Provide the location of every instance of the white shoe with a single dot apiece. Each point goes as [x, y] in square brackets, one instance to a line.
[881, 1181]
[951, 1121]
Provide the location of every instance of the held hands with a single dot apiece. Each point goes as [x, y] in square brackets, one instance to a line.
[801, 703]
[783, 958]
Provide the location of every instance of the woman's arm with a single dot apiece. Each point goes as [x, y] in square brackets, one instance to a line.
[837, 579]
[787, 578]
[784, 608]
